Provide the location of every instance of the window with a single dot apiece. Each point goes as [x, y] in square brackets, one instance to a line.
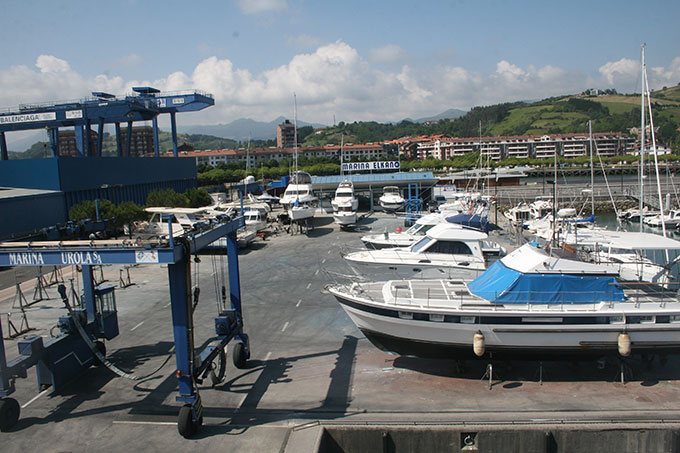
[422, 244]
[450, 248]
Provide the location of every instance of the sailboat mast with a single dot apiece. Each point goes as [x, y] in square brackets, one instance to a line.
[295, 131]
[642, 138]
[592, 177]
[342, 152]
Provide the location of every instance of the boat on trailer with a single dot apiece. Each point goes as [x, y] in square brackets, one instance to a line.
[526, 305]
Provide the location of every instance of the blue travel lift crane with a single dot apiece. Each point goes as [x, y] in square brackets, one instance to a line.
[78, 346]
[414, 204]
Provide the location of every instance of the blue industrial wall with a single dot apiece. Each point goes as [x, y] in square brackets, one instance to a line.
[28, 213]
[79, 179]
[30, 174]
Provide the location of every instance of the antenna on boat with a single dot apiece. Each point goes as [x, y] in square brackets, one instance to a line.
[342, 152]
[642, 137]
[295, 175]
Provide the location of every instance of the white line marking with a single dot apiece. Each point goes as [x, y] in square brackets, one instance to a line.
[309, 285]
[323, 261]
[137, 326]
[269, 354]
[298, 304]
[329, 252]
[36, 397]
[168, 304]
[284, 327]
[316, 272]
[124, 422]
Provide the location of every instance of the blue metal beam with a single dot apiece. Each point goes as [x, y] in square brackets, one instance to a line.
[4, 155]
[173, 130]
[100, 136]
[119, 145]
[156, 149]
[128, 139]
[85, 253]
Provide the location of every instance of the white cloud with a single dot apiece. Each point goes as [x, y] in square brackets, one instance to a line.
[50, 64]
[624, 71]
[391, 53]
[660, 76]
[261, 6]
[333, 80]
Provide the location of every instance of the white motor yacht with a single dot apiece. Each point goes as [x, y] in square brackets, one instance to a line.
[391, 199]
[526, 305]
[446, 251]
[299, 199]
[345, 204]
[254, 220]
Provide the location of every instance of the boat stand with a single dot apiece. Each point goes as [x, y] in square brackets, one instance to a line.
[540, 372]
[623, 369]
[488, 374]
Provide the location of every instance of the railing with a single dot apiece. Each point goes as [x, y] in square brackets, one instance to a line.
[637, 298]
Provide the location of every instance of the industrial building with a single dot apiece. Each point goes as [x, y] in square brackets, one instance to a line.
[76, 170]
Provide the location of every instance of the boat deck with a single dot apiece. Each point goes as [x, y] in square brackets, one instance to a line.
[310, 367]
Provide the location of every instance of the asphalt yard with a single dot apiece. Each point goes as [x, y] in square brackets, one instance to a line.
[309, 366]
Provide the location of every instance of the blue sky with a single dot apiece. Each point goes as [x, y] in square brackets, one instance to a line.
[352, 60]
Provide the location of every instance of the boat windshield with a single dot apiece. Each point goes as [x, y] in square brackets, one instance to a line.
[419, 229]
[343, 194]
[301, 177]
[421, 244]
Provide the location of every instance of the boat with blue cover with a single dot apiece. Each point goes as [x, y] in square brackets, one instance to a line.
[529, 304]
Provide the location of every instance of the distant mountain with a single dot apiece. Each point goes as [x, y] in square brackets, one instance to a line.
[243, 128]
[450, 113]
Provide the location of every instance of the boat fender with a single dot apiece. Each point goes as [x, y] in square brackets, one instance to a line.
[624, 344]
[478, 344]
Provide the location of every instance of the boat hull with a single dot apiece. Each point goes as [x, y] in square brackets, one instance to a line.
[301, 213]
[424, 338]
[390, 206]
[345, 218]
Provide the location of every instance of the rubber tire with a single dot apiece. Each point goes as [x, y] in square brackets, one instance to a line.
[9, 413]
[239, 356]
[218, 368]
[101, 348]
[185, 422]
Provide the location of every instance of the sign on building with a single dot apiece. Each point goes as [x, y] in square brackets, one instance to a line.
[363, 166]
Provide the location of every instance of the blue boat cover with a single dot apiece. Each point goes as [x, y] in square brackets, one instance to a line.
[473, 221]
[500, 284]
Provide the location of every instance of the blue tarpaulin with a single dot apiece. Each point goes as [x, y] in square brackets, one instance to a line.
[473, 221]
[501, 284]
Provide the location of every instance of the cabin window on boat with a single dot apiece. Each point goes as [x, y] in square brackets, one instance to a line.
[421, 244]
[674, 318]
[616, 319]
[419, 230]
[450, 248]
[156, 218]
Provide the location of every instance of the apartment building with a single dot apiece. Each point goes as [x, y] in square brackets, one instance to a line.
[521, 147]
